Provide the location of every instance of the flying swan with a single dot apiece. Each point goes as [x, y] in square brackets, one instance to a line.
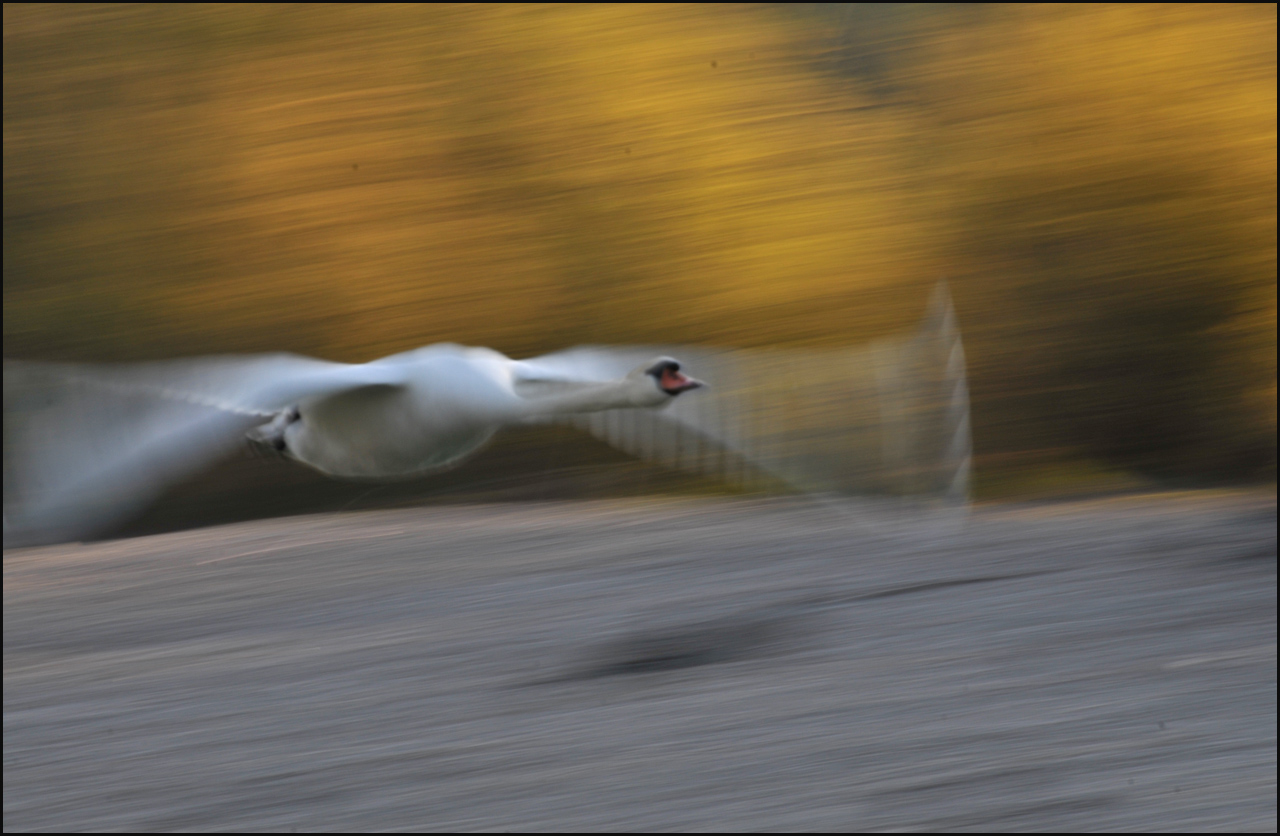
[99, 441]
[86, 445]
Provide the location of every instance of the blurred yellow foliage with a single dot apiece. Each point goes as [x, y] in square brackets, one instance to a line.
[1112, 186]
[349, 181]
[352, 181]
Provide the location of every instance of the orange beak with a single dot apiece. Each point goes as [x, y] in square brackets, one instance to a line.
[673, 382]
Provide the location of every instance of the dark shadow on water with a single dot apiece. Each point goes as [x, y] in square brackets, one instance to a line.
[748, 634]
[722, 640]
[726, 639]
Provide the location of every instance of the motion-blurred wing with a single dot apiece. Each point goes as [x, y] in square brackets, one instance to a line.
[85, 445]
[890, 418]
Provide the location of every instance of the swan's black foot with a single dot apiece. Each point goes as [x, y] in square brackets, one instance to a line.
[268, 439]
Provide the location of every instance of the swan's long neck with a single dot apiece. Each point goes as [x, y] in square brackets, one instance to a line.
[569, 398]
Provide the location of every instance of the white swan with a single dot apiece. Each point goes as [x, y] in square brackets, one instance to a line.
[100, 441]
[85, 445]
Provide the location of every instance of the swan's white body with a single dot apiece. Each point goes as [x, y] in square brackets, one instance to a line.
[424, 410]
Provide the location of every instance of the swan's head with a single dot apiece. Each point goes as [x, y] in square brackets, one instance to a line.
[666, 374]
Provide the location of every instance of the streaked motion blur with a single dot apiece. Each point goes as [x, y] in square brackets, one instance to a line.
[767, 194]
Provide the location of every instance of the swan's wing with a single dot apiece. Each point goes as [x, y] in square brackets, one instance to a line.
[887, 418]
[87, 444]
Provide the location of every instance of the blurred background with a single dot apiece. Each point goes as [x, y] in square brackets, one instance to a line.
[1097, 185]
